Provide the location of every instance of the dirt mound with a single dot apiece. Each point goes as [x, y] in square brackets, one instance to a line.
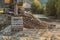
[31, 22]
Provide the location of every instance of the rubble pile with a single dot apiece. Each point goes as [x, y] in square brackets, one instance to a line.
[4, 21]
[31, 22]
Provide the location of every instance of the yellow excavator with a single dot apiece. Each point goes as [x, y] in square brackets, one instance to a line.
[20, 2]
[15, 5]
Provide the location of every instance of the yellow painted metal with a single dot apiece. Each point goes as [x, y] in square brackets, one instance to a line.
[7, 1]
[1, 11]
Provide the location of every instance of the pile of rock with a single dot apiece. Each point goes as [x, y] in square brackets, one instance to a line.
[31, 22]
[4, 21]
